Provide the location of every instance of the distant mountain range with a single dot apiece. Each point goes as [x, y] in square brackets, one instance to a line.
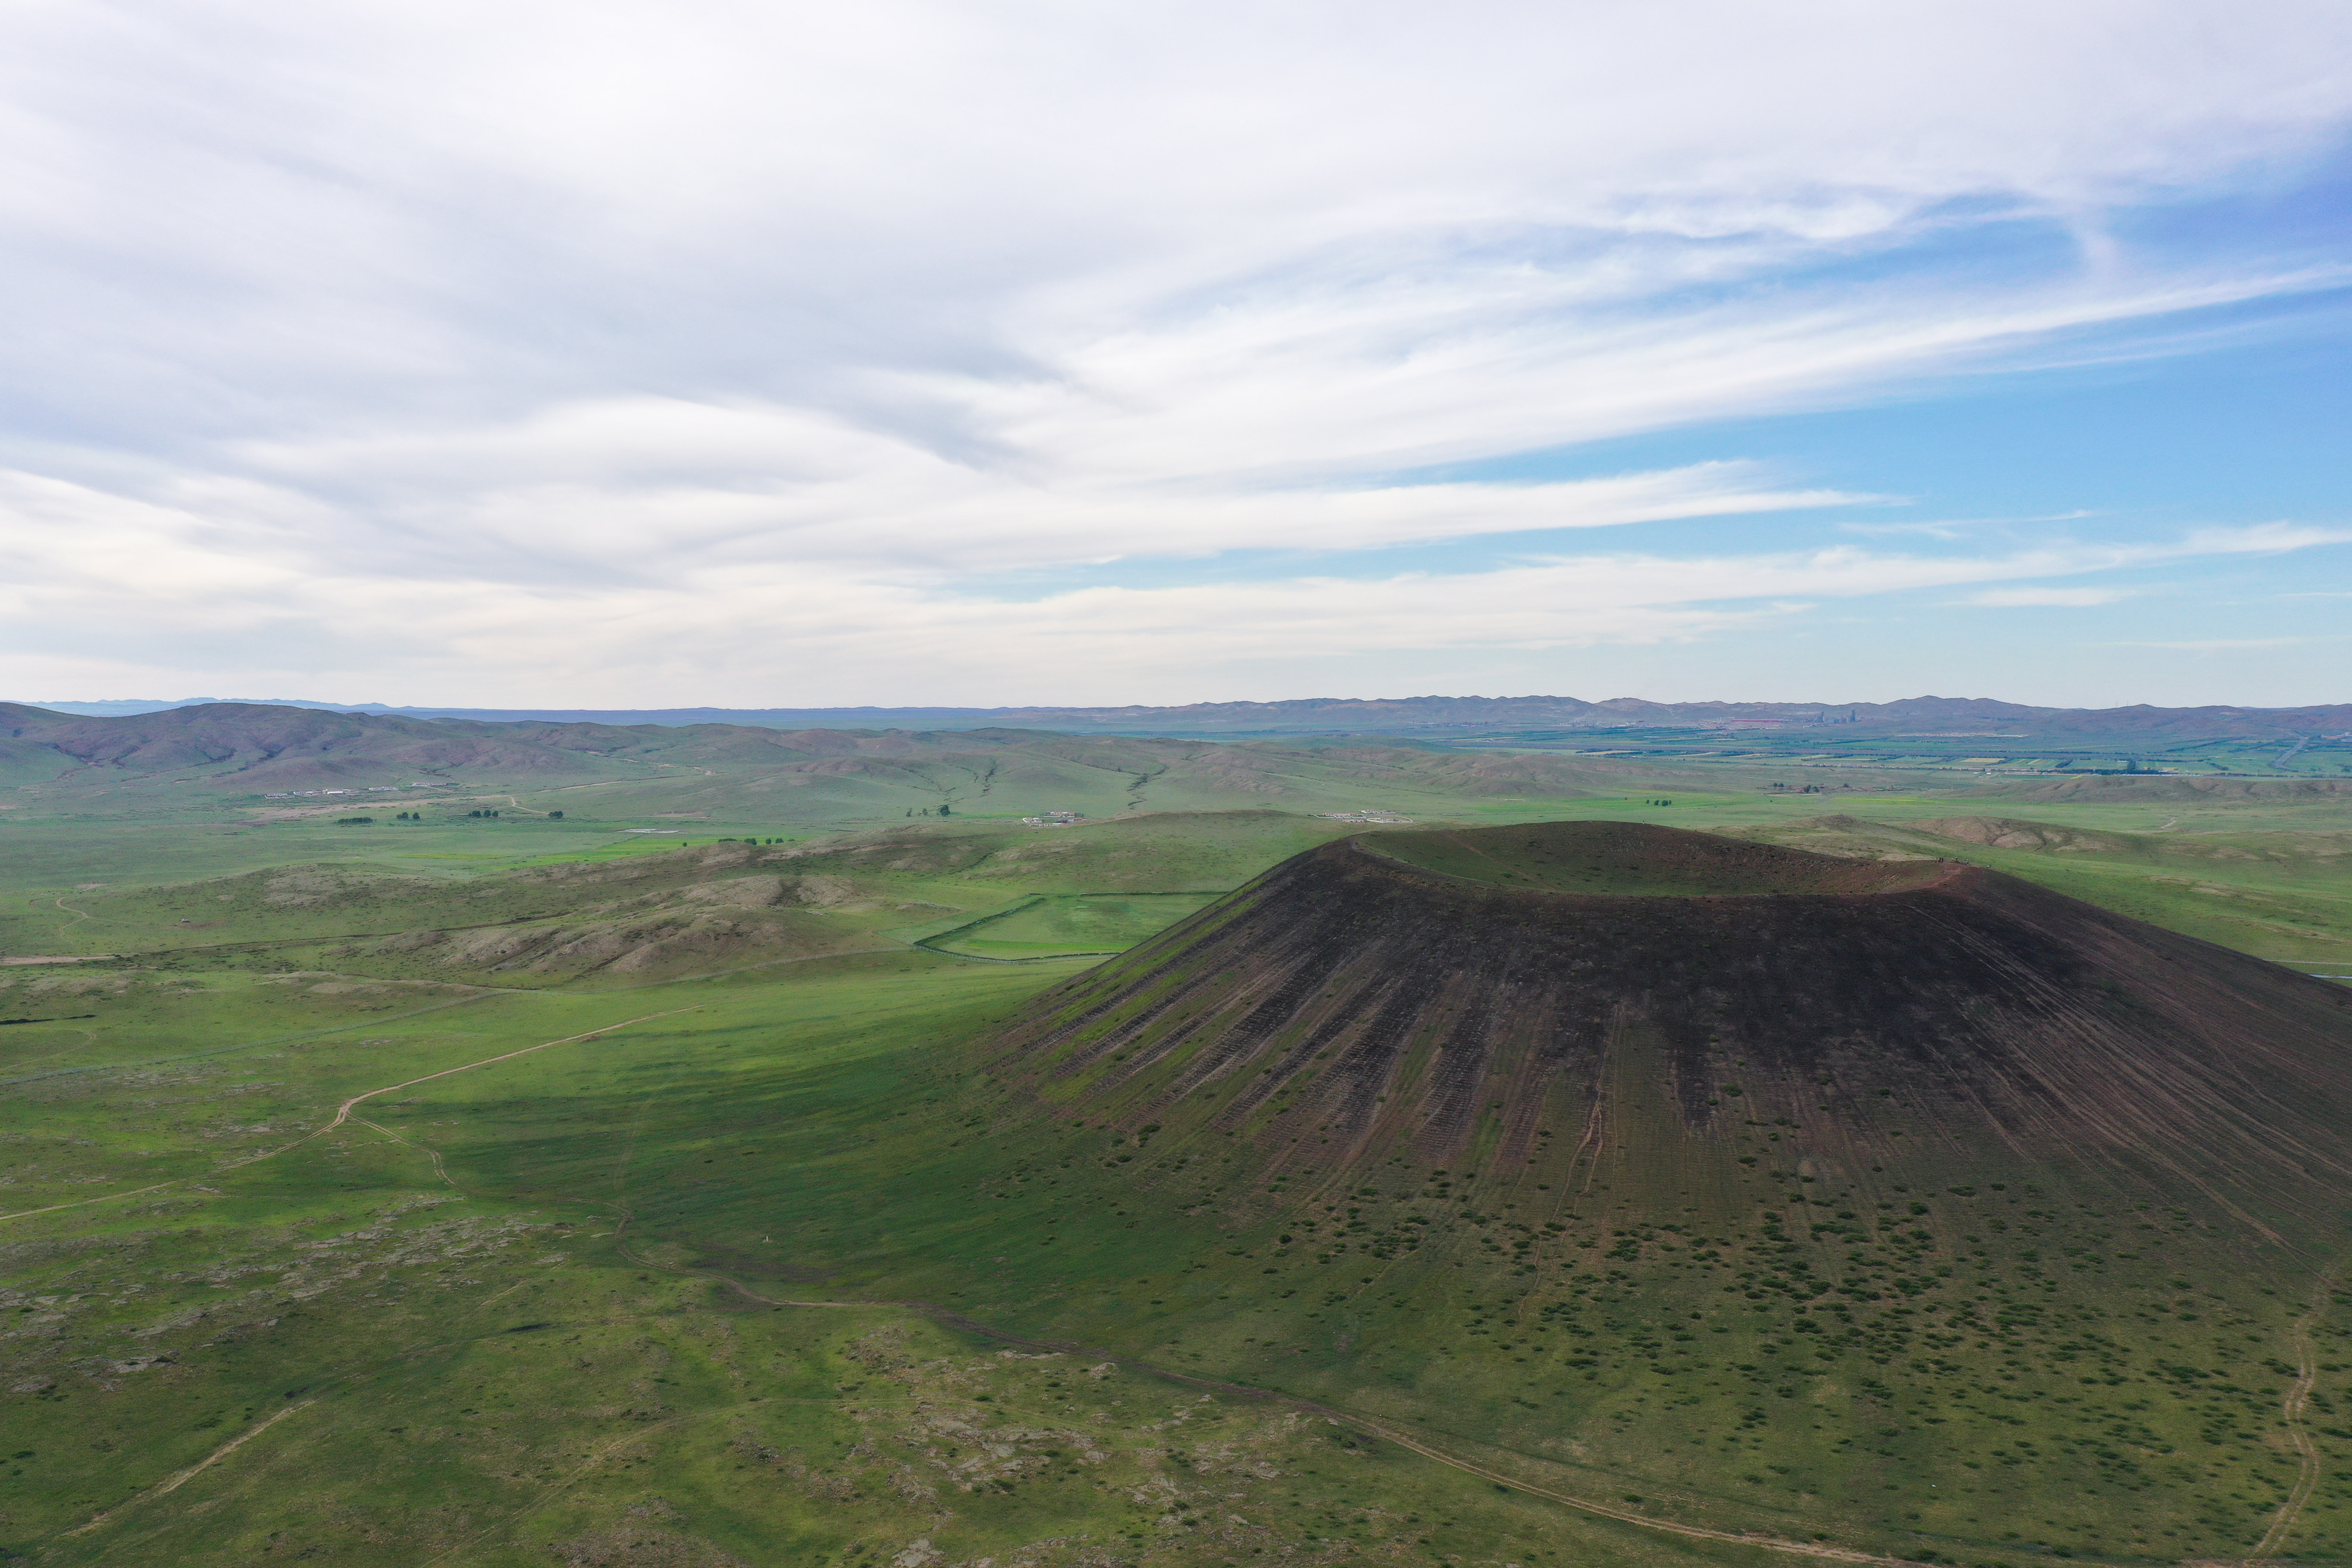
[1427, 717]
[277, 749]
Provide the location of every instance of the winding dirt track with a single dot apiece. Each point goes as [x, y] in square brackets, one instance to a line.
[175, 1481]
[439, 1169]
[343, 1111]
[2297, 1401]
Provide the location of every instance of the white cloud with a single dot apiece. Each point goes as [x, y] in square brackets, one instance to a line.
[129, 585]
[650, 347]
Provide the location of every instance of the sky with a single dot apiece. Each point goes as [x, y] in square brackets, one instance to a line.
[630, 355]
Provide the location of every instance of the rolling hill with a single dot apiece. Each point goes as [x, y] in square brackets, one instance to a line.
[236, 752]
[1534, 997]
[1414, 716]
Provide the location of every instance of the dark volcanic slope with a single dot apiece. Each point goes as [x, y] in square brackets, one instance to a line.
[1588, 997]
[1628, 859]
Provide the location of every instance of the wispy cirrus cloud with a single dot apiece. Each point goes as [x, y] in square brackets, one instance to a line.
[610, 619]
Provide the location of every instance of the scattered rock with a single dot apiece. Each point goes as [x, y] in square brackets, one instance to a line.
[633, 1545]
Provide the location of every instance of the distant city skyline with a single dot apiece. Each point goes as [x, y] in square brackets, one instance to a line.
[597, 358]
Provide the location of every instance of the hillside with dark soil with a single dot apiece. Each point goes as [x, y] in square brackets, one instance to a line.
[1563, 998]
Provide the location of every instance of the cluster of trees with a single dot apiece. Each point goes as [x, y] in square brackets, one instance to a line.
[419, 817]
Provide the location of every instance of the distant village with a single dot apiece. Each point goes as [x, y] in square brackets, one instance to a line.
[368, 789]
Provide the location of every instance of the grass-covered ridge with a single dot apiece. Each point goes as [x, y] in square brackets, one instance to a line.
[1069, 924]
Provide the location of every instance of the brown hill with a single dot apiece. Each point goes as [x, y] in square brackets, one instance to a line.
[262, 748]
[2161, 790]
[255, 745]
[1570, 999]
[640, 916]
[2010, 832]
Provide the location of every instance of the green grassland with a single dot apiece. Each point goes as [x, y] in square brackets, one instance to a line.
[480, 1346]
[2280, 893]
[1072, 923]
[2186, 750]
[739, 780]
[632, 910]
[778, 1274]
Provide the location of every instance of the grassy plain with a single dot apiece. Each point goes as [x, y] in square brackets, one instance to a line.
[1071, 924]
[466, 1324]
[2183, 748]
[733, 1282]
